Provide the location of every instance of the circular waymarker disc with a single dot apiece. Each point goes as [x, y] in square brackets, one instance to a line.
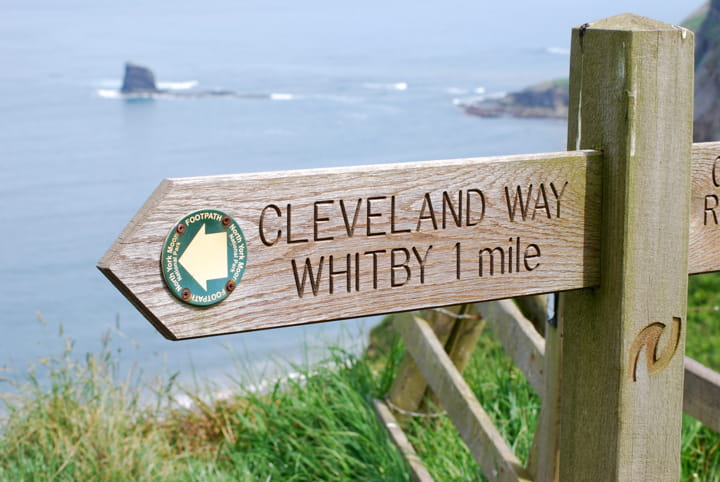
[204, 257]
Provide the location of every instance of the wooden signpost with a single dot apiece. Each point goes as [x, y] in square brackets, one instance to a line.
[627, 214]
[328, 244]
[339, 243]
[632, 98]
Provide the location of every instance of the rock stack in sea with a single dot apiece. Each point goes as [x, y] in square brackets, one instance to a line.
[138, 80]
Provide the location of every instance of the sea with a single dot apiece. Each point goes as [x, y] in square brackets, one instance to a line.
[343, 83]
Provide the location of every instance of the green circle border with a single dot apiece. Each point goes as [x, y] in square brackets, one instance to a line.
[211, 226]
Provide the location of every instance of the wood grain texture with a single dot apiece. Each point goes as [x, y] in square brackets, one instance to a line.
[631, 87]
[462, 342]
[527, 348]
[702, 393]
[704, 254]
[495, 458]
[418, 471]
[544, 460]
[409, 388]
[534, 308]
[569, 244]
[519, 339]
[394, 219]
[467, 328]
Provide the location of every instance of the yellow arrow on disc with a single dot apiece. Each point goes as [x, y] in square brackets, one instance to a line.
[205, 258]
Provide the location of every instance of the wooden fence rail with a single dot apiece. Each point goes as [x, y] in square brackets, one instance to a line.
[519, 338]
[492, 453]
[526, 347]
[701, 394]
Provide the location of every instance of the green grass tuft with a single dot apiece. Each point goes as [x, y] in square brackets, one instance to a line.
[82, 423]
[505, 395]
[316, 427]
[85, 423]
[563, 83]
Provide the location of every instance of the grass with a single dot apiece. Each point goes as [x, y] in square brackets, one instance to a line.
[319, 428]
[700, 445]
[703, 335]
[86, 424]
[85, 421]
[505, 395]
[563, 83]
[82, 424]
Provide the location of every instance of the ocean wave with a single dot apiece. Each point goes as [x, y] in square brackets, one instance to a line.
[116, 94]
[461, 101]
[192, 94]
[183, 85]
[465, 91]
[557, 50]
[169, 85]
[343, 99]
[108, 93]
[281, 96]
[390, 86]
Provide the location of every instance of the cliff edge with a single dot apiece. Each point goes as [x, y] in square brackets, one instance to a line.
[707, 76]
[550, 99]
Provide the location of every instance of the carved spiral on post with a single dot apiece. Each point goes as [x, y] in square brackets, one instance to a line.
[649, 338]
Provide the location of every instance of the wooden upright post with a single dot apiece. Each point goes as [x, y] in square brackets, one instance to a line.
[631, 96]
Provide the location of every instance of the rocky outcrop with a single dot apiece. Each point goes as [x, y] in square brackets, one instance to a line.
[707, 77]
[139, 83]
[138, 80]
[549, 100]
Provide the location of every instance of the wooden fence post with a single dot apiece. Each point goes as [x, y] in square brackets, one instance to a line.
[459, 335]
[631, 96]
